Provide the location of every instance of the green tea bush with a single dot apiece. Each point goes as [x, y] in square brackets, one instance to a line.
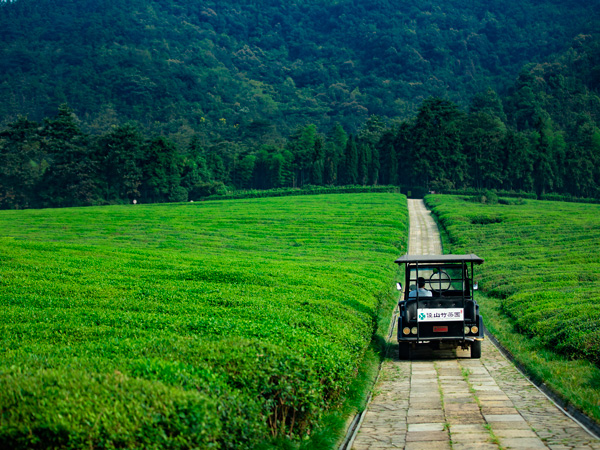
[567, 198]
[305, 190]
[542, 263]
[53, 408]
[222, 324]
[477, 193]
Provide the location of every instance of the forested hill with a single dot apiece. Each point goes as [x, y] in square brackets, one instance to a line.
[239, 70]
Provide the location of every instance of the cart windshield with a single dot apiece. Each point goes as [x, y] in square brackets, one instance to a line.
[441, 280]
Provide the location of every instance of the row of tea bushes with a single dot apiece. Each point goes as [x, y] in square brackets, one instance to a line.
[223, 324]
[305, 190]
[542, 263]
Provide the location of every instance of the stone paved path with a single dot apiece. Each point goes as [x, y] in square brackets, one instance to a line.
[443, 399]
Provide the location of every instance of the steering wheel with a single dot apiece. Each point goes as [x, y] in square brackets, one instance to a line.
[440, 281]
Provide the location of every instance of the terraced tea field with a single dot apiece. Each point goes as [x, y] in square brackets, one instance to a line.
[541, 280]
[212, 325]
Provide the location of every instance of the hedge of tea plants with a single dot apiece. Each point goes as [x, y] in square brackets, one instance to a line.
[305, 190]
[225, 324]
[542, 262]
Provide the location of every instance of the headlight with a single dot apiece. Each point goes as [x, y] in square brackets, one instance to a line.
[414, 330]
[405, 330]
[467, 330]
[474, 330]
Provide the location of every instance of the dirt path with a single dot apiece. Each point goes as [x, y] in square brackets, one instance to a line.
[445, 400]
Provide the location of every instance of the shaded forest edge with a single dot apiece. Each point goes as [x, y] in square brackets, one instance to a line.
[543, 137]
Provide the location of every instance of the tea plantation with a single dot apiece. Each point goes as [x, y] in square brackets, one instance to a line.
[221, 324]
[542, 271]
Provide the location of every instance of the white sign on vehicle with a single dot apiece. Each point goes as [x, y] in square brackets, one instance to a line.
[437, 315]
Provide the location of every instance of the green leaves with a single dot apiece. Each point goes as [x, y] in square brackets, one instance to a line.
[72, 409]
[223, 323]
[541, 264]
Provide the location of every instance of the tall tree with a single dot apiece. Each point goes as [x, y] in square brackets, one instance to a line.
[517, 161]
[549, 155]
[372, 130]
[244, 171]
[119, 154]
[388, 160]
[439, 159]
[161, 172]
[72, 176]
[318, 164]
[375, 166]
[334, 152]
[21, 164]
[489, 103]
[404, 148]
[483, 140]
[349, 165]
[523, 103]
[364, 162]
[301, 144]
[278, 169]
[194, 169]
[583, 160]
[368, 137]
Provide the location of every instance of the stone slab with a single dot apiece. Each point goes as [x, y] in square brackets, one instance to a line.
[426, 427]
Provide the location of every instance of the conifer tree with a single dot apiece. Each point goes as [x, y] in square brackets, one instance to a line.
[364, 162]
[21, 164]
[161, 172]
[404, 148]
[195, 169]
[483, 140]
[334, 153]
[317, 167]
[119, 155]
[71, 178]
[349, 166]
[388, 160]
[439, 160]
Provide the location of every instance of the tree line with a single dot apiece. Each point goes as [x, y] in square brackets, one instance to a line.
[54, 164]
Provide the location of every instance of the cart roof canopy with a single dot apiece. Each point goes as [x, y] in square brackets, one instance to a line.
[428, 259]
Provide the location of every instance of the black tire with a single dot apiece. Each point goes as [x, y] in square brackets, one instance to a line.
[404, 350]
[476, 350]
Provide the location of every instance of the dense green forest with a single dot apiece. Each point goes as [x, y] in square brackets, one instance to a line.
[244, 70]
[173, 102]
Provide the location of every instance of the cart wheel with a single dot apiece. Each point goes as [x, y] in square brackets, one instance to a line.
[404, 350]
[476, 350]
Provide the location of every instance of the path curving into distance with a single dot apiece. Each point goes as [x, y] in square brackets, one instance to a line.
[424, 236]
[446, 400]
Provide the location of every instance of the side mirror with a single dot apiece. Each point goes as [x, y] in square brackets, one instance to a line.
[476, 286]
[399, 286]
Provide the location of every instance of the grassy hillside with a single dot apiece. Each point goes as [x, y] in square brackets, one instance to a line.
[541, 281]
[212, 325]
